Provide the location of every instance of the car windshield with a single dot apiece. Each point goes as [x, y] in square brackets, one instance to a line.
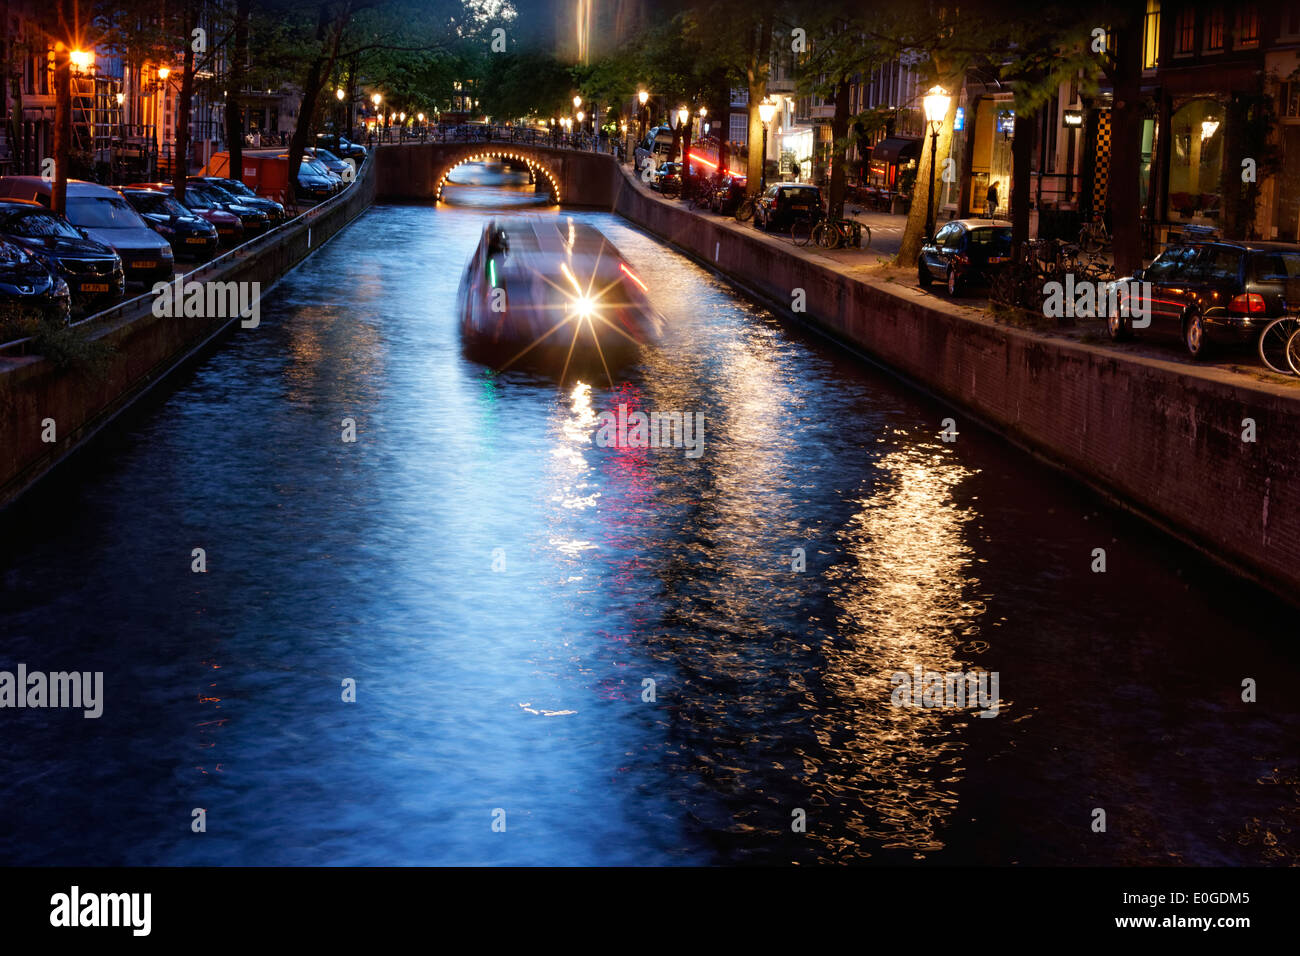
[36, 225]
[990, 240]
[325, 154]
[1278, 266]
[803, 194]
[220, 193]
[238, 188]
[103, 212]
[158, 205]
[316, 166]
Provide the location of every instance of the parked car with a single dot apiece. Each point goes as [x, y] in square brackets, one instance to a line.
[1212, 293]
[667, 177]
[965, 252]
[339, 167]
[191, 236]
[243, 195]
[315, 181]
[230, 231]
[201, 196]
[783, 203]
[343, 147]
[92, 270]
[728, 194]
[101, 214]
[28, 288]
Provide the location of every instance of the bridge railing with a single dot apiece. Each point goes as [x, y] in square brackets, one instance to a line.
[479, 133]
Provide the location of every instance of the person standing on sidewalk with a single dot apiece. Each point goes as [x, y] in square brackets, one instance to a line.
[991, 200]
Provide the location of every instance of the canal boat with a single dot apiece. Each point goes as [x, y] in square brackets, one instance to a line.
[554, 295]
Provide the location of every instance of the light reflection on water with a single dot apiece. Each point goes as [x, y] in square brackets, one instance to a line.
[523, 687]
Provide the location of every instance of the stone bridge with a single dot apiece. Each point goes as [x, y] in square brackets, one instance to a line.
[572, 177]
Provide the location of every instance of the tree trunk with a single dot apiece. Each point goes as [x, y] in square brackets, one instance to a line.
[756, 78]
[181, 169]
[1123, 184]
[62, 129]
[234, 89]
[321, 66]
[839, 146]
[1022, 157]
[914, 232]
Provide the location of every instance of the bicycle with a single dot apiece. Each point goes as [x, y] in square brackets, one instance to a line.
[833, 233]
[1293, 352]
[1093, 236]
[802, 231]
[745, 211]
[1275, 344]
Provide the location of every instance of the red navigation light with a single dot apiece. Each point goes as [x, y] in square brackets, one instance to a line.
[632, 275]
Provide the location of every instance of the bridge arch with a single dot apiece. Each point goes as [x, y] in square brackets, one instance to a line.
[474, 154]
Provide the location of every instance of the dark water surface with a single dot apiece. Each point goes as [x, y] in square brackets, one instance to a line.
[522, 688]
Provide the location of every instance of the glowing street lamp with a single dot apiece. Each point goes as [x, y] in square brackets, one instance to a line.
[577, 101]
[766, 113]
[643, 96]
[420, 117]
[340, 94]
[163, 73]
[82, 61]
[936, 110]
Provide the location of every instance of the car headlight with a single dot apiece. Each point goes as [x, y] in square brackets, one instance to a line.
[165, 252]
[61, 290]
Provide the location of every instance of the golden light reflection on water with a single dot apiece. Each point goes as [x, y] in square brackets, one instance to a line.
[907, 597]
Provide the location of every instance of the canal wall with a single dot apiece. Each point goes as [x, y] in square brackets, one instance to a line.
[1161, 438]
[145, 348]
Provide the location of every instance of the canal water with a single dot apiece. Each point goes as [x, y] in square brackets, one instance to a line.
[567, 653]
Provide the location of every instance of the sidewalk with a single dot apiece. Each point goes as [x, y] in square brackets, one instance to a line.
[1242, 365]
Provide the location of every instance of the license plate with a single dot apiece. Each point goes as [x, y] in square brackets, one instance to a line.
[94, 287]
[994, 259]
[196, 240]
[145, 264]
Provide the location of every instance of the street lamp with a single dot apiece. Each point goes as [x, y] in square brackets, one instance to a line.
[766, 111]
[936, 110]
[340, 94]
[82, 60]
[163, 73]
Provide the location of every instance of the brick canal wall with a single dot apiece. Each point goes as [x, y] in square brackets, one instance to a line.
[145, 348]
[1160, 438]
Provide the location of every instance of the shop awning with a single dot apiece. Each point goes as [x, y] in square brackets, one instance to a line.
[896, 149]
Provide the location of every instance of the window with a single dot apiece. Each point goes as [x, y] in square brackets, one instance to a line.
[1215, 264]
[738, 128]
[1214, 31]
[1185, 31]
[1169, 263]
[1247, 25]
[1277, 266]
[1289, 104]
[1151, 36]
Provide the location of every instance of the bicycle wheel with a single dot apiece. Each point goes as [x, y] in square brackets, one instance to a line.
[745, 211]
[865, 243]
[1293, 352]
[801, 232]
[1274, 343]
[827, 235]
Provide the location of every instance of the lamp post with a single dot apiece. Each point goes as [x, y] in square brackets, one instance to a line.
[375, 100]
[766, 111]
[642, 98]
[936, 109]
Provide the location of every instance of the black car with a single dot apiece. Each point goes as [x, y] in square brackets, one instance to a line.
[242, 194]
[783, 203]
[965, 252]
[344, 147]
[28, 289]
[191, 236]
[92, 270]
[667, 177]
[1210, 293]
[254, 221]
[728, 194]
